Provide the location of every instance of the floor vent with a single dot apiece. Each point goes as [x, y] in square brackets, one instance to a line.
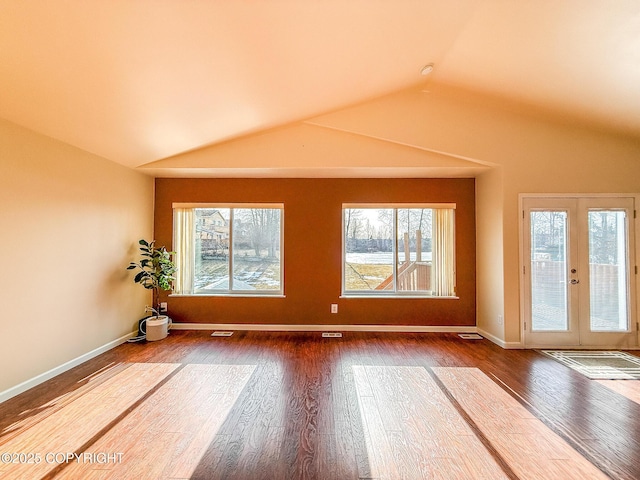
[221, 334]
[331, 334]
[470, 336]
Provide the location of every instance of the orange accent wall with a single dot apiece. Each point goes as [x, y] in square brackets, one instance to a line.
[313, 251]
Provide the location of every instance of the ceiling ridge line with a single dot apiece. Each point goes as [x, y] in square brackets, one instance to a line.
[408, 145]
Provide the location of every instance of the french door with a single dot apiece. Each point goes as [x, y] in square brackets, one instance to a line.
[579, 272]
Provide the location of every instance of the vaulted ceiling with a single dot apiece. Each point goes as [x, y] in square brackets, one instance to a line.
[148, 82]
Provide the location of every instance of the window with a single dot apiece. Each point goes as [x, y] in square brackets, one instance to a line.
[228, 249]
[399, 250]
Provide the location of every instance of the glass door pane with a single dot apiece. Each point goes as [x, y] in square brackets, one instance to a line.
[551, 273]
[549, 294]
[608, 272]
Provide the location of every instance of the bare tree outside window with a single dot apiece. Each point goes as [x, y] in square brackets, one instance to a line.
[237, 249]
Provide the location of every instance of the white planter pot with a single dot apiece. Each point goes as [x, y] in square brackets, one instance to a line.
[157, 327]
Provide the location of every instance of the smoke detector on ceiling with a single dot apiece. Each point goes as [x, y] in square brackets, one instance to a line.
[427, 69]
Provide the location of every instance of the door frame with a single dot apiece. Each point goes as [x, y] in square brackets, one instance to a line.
[524, 262]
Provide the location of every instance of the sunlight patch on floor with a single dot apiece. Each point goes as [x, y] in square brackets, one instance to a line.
[84, 412]
[33, 416]
[174, 427]
[448, 422]
[626, 388]
[413, 431]
[128, 415]
[529, 447]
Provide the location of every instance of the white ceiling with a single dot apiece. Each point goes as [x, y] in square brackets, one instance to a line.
[137, 81]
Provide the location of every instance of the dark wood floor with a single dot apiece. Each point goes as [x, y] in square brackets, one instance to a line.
[282, 405]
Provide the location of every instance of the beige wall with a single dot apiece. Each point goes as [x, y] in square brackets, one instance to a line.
[566, 160]
[490, 262]
[69, 223]
[533, 153]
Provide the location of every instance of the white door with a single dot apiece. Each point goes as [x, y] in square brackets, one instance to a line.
[578, 276]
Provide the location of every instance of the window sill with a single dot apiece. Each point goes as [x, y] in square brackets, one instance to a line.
[228, 295]
[412, 297]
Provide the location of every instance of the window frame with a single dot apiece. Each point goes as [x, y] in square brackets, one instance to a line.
[231, 206]
[395, 293]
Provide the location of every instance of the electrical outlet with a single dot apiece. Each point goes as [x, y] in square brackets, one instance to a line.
[163, 307]
[500, 321]
[334, 308]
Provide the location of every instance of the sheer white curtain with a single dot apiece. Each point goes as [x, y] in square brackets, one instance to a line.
[183, 241]
[443, 252]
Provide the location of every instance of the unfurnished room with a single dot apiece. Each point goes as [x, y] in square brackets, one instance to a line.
[319, 240]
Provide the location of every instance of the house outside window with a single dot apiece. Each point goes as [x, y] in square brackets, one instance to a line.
[399, 250]
[228, 249]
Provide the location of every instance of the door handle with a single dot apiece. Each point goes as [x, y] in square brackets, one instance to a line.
[574, 281]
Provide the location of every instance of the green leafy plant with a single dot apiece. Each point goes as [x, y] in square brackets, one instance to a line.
[156, 269]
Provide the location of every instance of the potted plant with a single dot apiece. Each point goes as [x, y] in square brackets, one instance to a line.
[156, 272]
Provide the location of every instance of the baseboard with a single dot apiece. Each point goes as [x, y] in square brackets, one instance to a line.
[43, 377]
[499, 341]
[266, 327]
[581, 347]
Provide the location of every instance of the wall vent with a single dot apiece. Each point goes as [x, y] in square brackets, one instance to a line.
[218, 333]
[470, 336]
[331, 334]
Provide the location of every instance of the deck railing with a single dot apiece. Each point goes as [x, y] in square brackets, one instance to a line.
[412, 276]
